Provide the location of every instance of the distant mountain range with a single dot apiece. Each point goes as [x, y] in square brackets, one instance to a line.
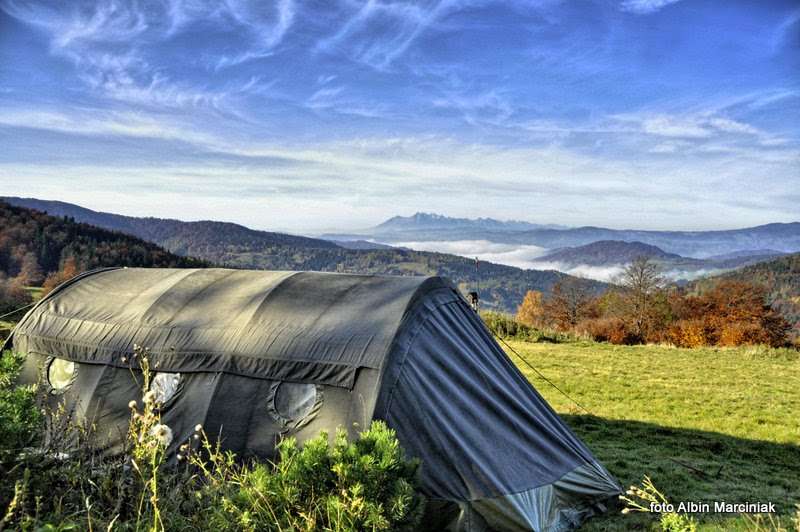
[430, 221]
[501, 287]
[779, 237]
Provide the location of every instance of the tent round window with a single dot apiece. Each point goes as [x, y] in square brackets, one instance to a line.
[293, 401]
[164, 387]
[60, 373]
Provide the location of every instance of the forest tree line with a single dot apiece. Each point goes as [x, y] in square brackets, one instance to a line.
[41, 250]
[644, 308]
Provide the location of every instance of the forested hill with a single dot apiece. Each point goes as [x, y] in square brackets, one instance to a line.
[34, 244]
[500, 287]
[184, 238]
[781, 278]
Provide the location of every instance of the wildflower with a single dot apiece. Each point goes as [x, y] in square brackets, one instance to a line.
[184, 447]
[162, 433]
[132, 405]
[198, 428]
[626, 510]
[180, 457]
[149, 397]
[124, 360]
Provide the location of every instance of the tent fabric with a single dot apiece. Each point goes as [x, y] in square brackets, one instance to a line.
[498, 422]
[262, 355]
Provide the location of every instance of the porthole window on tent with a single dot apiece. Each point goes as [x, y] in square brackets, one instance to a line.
[60, 374]
[292, 403]
[164, 387]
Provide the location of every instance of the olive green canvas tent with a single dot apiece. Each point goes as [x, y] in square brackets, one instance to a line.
[255, 356]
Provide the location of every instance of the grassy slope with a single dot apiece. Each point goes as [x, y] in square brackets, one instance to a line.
[734, 409]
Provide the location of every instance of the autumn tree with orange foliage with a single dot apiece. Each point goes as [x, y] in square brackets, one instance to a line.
[531, 311]
[730, 313]
[68, 270]
[643, 310]
[570, 302]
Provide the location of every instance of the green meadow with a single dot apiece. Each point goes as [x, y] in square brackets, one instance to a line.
[705, 424]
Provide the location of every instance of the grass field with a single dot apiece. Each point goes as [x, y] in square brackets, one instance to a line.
[704, 424]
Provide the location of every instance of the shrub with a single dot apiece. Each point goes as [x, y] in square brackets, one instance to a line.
[507, 327]
[612, 330]
[689, 333]
[361, 485]
[19, 415]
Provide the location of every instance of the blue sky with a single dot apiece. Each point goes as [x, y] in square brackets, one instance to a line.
[313, 116]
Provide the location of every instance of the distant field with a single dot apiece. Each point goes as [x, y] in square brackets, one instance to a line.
[733, 414]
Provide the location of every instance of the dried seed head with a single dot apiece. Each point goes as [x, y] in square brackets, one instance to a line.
[162, 433]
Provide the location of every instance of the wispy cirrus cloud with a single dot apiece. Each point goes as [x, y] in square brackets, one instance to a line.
[644, 7]
[491, 105]
[544, 109]
[378, 32]
[113, 44]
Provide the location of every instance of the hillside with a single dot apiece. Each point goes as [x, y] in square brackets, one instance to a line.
[781, 278]
[35, 244]
[185, 238]
[610, 252]
[780, 237]
[500, 287]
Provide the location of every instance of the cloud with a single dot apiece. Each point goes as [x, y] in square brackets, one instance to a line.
[490, 106]
[783, 33]
[667, 126]
[110, 123]
[338, 100]
[703, 131]
[116, 44]
[645, 7]
[380, 32]
[600, 273]
[509, 254]
[268, 33]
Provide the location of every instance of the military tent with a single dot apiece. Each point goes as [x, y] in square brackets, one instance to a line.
[257, 355]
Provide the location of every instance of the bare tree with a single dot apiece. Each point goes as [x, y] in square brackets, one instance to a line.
[641, 282]
[569, 302]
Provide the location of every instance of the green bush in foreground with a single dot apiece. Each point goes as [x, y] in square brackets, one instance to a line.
[61, 483]
[361, 485]
[19, 415]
